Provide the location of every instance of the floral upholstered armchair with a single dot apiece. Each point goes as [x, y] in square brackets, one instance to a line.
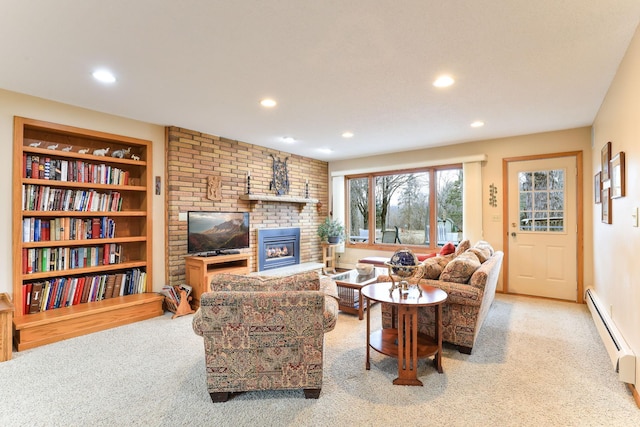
[265, 333]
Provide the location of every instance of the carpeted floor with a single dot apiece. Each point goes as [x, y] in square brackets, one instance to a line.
[536, 363]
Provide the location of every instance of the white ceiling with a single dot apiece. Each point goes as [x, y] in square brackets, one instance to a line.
[521, 66]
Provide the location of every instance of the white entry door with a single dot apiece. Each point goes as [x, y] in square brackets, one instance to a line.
[542, 228]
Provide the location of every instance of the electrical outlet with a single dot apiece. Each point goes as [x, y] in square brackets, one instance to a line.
[634, 216]
[182, 216]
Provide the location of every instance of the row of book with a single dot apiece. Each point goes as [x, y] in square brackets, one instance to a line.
[66, 291]
[44, 167]
[37, 260]
[66, 228]
[45, 198]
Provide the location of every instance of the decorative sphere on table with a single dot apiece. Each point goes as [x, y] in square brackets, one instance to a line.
[403, 262]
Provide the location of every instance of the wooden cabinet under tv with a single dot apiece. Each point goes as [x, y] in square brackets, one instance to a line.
[81, 216]
[200, 269]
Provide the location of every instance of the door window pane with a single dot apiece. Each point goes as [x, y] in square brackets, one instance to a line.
[542, 205]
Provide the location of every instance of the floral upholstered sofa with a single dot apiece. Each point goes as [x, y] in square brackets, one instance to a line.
[469, 276]
[265, 333]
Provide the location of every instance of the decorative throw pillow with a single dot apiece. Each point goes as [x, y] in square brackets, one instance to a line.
[447, 249]
[484, 245]
[462, 247]
[461, 268]
[431, 268]
[422, 257]
[307, 281]
[483, 254]
[443, 260]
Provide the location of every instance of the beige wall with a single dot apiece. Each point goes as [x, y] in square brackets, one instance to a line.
[494, 150]
[13, 104]
[617, 246]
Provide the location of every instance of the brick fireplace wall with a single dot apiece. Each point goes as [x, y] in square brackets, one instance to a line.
[193, 156]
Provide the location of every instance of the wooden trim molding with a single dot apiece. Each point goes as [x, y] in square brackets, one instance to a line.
[579, 220]
[634, 392]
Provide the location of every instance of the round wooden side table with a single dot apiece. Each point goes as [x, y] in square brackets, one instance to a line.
[405, 342]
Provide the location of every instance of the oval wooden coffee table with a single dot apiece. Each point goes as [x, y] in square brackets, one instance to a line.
[404, 342]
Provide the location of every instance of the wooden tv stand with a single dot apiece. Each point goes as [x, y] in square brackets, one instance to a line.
[198, 271]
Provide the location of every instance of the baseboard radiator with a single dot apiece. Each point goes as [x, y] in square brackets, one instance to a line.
[622, 358]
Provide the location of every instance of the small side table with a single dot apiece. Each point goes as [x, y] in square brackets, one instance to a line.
[329, 257]
[6, 320]
[349, 285]
[405, 343]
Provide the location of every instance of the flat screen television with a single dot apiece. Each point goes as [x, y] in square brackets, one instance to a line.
[213, 233]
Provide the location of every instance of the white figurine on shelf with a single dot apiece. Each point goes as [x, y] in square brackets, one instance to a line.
[83, 151]
[35, 144]
[67, 149]
[52, 147]
[101, 152]
[134, 157]
[121, 153]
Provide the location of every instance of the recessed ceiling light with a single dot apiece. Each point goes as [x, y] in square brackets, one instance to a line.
[288, 139]
[268, 102]
[104, 76]
[477, 124]
[443, 81]
[347, 134]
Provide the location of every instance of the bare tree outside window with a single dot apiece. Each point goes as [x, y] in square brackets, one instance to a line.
[402, 204]
[359, 207]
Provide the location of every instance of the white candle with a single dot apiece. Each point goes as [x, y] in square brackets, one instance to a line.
[306, 181]
[248, 174]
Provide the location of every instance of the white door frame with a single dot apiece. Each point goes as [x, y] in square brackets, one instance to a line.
[579, 219]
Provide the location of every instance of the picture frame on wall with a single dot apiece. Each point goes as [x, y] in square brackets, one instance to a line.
[605, 158]
[606, 206]
[597, 188]
[616, 169]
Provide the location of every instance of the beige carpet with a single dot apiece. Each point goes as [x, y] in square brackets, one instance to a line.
[536, 363]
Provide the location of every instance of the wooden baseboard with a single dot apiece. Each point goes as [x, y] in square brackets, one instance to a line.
[634, 392]
[56, 325]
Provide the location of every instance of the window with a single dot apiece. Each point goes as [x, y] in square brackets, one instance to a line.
[542, 200]
[395, 207]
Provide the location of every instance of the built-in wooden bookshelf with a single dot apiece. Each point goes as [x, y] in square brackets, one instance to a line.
[81, 232]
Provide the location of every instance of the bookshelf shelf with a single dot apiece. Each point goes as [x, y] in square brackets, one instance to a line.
[82, 223]
[83, 214]
[82, 242]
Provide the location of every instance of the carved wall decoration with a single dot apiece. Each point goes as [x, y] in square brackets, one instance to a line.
[493, 196]
[214, 188]
[280, 181]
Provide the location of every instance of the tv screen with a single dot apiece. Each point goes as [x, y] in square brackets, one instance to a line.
[212, 233]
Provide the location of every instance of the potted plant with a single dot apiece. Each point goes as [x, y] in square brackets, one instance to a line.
[331, 230]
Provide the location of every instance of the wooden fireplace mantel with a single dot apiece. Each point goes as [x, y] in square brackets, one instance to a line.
[277, 199]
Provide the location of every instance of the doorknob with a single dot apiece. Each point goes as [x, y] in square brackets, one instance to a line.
[513, 234]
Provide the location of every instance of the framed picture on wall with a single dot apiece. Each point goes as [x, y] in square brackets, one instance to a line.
[616, 169]
[606, 206]
[597, 188]
[605, 158]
